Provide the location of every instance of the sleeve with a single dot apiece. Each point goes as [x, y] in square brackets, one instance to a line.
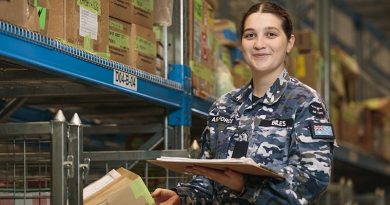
[307, 172]
[199, 190]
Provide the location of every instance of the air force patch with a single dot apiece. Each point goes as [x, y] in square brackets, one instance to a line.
[317, 110]
[322, 131]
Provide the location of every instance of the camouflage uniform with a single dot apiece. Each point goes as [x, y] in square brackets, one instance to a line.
[277, 129]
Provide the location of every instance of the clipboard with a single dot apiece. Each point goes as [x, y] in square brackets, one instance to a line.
[179, 165]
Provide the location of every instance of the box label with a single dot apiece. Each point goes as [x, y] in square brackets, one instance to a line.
[146, 5]
[118, 40]
[144, 46]
[198, 10]
[116, 25]
[90, 5]
[88, 23]
[125, 80]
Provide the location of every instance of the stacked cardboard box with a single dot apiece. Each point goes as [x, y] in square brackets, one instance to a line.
[132, 40]
[201, 21]
[83, 24]
[28, 14]
[304, 61]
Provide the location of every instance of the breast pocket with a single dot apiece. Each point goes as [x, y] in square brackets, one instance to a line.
[270, 144]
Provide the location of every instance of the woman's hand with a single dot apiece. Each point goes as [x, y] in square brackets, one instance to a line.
[229, 178]
[165, 197]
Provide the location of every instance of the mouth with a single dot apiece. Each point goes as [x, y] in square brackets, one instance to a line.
[260, 55]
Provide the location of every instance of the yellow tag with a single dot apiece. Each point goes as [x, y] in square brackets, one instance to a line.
[301, 67]
[91, 5]
[118, 40]
[88, 43]
[144, 46]
[116, 25]
[146, 5]
[202, 72]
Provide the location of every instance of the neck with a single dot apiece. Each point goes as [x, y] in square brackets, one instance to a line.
[262, 81]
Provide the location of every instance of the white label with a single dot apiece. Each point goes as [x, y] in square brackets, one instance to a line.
[88, 23]
[125, 80]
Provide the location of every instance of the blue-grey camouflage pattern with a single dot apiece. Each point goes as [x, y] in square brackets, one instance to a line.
[287, 148]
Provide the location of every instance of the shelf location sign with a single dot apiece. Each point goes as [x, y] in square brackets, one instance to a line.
[125, 80]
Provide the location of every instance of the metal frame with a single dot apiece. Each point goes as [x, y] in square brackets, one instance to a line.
[66, 142]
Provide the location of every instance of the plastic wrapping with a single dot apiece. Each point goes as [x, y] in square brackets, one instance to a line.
[163, 12]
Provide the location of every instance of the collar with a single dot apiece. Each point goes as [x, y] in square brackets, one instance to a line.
[273, 93]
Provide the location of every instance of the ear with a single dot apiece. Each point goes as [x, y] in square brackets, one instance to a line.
[290, 43]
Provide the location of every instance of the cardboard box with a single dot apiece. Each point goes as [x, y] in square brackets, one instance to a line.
[119, 41]
[304, 67]
[120, 187]
[306, 41]
[133, 11]
[24, 13]
[201, 21]
[143, 48]
[132, 45]
[80, 24]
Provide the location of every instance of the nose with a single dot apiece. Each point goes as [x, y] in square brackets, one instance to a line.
[258, 43]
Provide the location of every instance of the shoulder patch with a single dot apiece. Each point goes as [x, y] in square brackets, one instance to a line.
[322, 131]
[317, 110]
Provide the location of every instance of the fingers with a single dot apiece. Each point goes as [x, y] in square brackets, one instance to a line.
[162, 196]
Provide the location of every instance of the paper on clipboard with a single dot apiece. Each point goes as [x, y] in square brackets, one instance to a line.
[242, 165]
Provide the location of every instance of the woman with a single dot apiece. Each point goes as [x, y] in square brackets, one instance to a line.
[275, 119]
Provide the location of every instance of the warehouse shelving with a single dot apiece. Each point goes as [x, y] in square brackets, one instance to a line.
[35, 50]
[31, 50]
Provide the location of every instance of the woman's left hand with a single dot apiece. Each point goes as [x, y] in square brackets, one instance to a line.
[229, 178]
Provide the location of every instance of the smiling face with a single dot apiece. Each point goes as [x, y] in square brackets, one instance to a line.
[265, 43]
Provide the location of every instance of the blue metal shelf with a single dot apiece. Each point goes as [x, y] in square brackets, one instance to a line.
[200, 106]
[37, 51]
[360, 159]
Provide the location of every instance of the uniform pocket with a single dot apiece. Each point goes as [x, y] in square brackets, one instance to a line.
[270, 144]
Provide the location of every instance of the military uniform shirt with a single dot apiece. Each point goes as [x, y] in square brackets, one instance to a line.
[286, 130]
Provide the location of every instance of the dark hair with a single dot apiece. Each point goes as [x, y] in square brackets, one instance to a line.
[268, 7]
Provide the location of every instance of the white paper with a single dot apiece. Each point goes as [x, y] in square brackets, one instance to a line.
[88, 23]
[242, 160]
[100, 184]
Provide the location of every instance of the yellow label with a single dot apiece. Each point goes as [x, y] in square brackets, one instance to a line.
[158, 31]
[202, 72]
[144, 46]
[116, 25]
[91, 5]
[301, 67]
[118, 40]
[198, 10]
[146, 5]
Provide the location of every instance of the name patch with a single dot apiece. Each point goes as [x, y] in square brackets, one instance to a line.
[322, 131]
[223, 119]
[277, 123]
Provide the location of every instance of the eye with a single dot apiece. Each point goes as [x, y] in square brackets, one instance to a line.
[249, 35]
[271, 35]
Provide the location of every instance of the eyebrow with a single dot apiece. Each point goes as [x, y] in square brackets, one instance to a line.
[266, 28]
